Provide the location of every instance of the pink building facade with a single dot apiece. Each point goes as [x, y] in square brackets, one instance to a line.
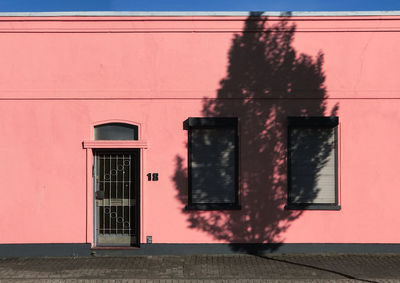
[199, 132]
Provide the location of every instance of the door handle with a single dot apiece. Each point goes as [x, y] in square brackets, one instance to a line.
[100, 195]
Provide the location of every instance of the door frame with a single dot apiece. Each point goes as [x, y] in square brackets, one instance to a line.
[89, 146]
[137, 188]
[92, 145]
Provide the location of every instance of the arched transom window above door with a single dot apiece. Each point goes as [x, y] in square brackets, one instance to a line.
[116, 131]
[116, 134]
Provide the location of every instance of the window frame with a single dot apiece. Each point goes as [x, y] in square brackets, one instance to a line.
[100, 127]
[212, 123]
[313, 122]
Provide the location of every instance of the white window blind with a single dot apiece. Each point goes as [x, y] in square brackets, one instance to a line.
[313, 165]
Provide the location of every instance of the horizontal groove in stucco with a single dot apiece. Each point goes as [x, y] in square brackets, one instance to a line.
[192, 98]
[194, 24]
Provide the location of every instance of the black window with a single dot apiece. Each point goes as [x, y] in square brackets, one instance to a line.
[213, 163]
[312, 163]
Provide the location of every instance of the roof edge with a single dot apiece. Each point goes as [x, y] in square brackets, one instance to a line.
[200, 14]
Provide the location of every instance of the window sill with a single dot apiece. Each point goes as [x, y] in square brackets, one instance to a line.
[312, 207]
[213, 206]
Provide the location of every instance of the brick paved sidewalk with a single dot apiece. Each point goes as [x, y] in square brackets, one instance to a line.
[204, 268]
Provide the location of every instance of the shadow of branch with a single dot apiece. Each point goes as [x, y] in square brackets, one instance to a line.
[347, 276]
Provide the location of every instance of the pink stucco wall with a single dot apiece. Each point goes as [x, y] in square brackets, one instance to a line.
[60, 76]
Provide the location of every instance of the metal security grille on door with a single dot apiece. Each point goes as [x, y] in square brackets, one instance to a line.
[116, 189]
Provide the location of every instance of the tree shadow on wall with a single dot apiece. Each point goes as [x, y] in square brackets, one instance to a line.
[266, 78]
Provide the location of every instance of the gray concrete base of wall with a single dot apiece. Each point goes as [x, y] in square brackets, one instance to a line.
[34, 250]
[71, 250]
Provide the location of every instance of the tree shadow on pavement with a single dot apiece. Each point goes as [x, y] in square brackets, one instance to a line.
[345, 275]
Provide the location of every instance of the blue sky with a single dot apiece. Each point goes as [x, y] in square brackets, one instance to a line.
[197, 5]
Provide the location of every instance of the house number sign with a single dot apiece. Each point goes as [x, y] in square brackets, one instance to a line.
[152, 177]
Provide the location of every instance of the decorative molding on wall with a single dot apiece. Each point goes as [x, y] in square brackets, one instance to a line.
[114, 144]
[198, 13]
